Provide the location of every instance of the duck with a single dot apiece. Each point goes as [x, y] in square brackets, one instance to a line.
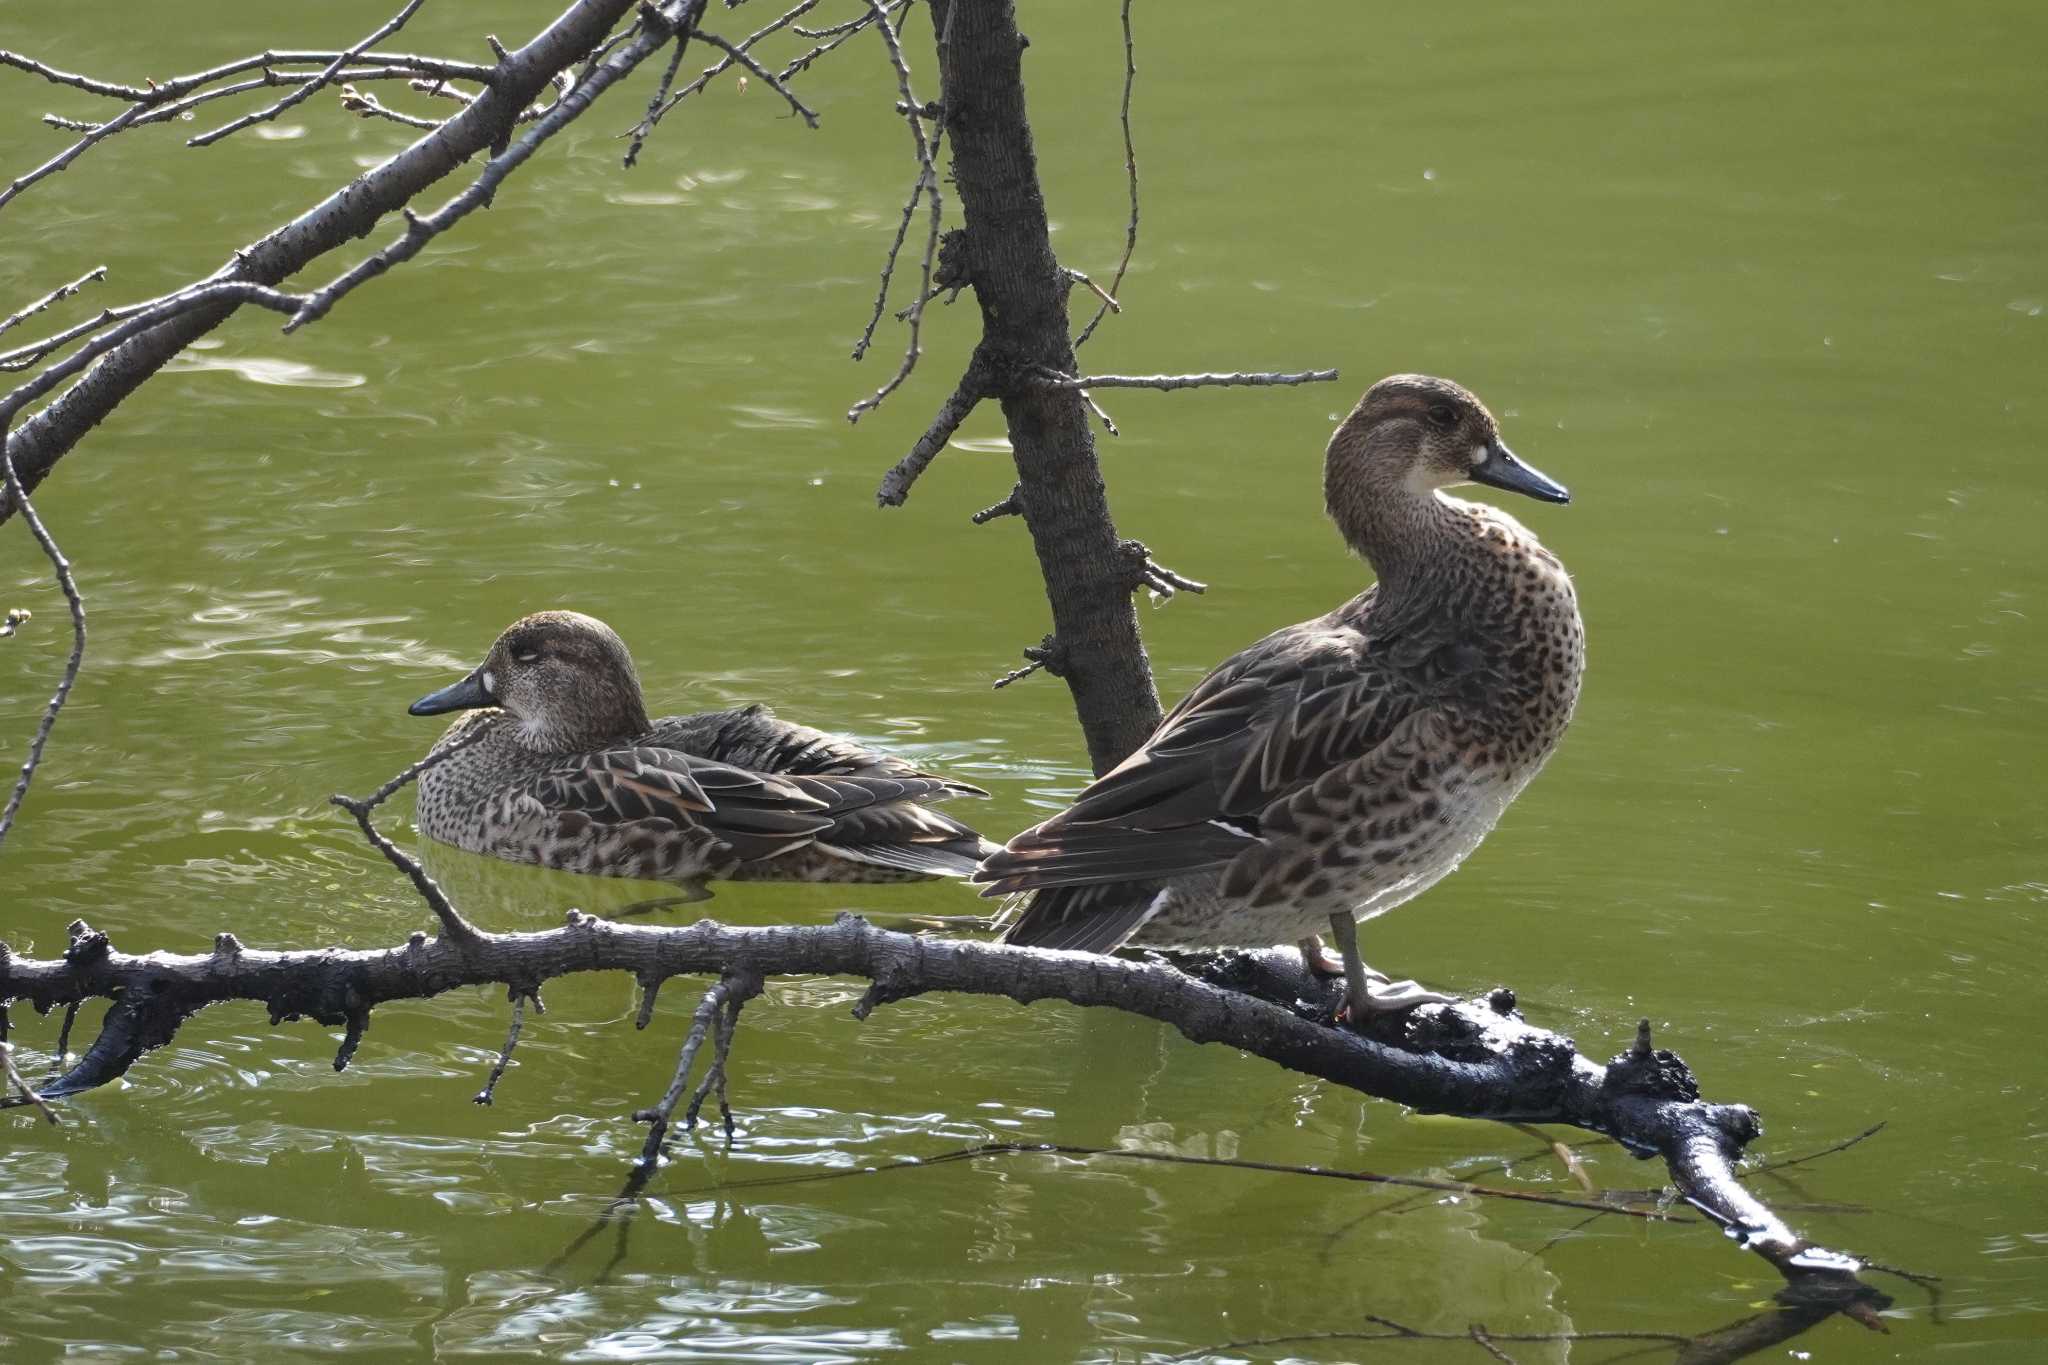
[1341, 766]
[557, 763]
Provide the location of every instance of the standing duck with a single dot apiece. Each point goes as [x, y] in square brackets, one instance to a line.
[1339, 767]
[568, 772]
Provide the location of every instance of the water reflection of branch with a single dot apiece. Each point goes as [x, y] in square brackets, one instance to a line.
[1477, 1335]
[998, 1149]
[1395, 1207]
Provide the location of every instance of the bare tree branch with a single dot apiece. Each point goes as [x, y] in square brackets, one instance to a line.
[1477, 1059]
[679, 14]
[656, 113]
[1011, 505]
[453, 925]
[1109, 303]
[306, 91]
[718, 1011]
[62, 568]
[773, 81]
[60, 293]
[510, 88]
[519, 998]
[972, 388]
[928, 185]
[26, 1091]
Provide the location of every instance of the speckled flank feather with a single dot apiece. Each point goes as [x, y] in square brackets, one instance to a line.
[736, 794]
[1347, 763]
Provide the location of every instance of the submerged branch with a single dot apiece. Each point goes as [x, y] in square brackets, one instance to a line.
[1478, 1059]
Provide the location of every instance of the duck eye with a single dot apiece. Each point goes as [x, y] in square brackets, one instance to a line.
[1442, 417]
[531, 656]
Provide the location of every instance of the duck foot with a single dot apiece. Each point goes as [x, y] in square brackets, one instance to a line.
[1367, 992]
[1318, 960]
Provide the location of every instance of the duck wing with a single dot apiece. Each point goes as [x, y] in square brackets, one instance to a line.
[1212, 782]
[746, 816]
[751, 815]
[755, 738]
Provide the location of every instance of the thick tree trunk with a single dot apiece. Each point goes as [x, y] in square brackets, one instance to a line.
[1023, 295]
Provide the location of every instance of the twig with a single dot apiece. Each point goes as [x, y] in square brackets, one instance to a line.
[661, 88]
[1262, 379]
[834, 37]
[737, 984]
[148, 101]
[1150, 574]
[60, 293]
[166, 113]
[895, 487]
[867, 333]
[304, 92]
[1096, 408]
[1770, 1167]
[135, 319]
[928, 183]
[85, 83]
[64, 1036]
[704, 77]
[715, 1074]
[28, 1094]
[1109, 303]
[774, 82]
[62, 566]
[519, 996]
[453, 925]
[22, 183]
[365, 105]
[1485, 1343]
[1078, 277]
[1046, 654]
[419, 231]
[1012, 505]
[178, 86]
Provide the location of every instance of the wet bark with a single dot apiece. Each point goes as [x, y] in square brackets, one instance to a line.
[1007, 254]
[1477, 1059]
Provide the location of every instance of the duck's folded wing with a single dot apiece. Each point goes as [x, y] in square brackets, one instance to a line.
[755, 738]
[883, 821]
[1265, 725]
[752, 815]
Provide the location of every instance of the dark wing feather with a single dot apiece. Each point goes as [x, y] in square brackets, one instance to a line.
[753, 737]
[755, 815]
[1081, 919]
[760, 787]
[1265, 724]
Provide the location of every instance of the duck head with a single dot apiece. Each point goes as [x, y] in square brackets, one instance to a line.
[565, 677]
[1410, 435]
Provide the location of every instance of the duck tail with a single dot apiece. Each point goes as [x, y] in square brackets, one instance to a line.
[1097, 918]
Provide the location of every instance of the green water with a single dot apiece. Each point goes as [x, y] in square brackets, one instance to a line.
[1765, 285]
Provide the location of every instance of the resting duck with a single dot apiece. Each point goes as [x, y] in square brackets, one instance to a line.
[567, 771]
[1339, 767]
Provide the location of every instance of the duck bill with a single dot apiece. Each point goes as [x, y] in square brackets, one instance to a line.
[1503, 470]
[466, 695]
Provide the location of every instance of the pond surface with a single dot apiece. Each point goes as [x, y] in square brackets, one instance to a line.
[1767, 286]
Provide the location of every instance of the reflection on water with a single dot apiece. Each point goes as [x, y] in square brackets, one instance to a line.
[1768, 295]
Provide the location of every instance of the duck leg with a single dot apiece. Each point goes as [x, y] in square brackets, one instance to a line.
[1318, 960]
[1367, 991]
